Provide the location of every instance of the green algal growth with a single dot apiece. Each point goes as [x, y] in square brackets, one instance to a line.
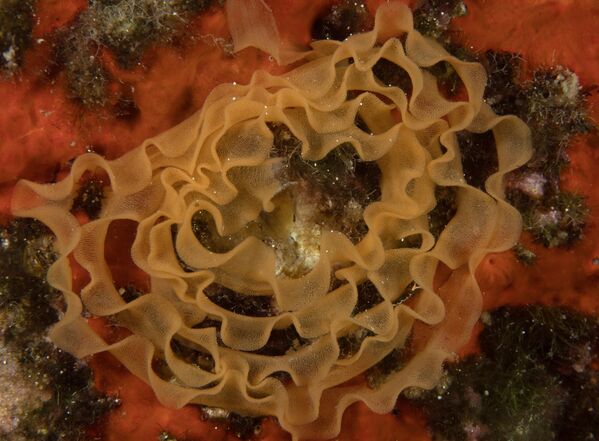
[581, 421]
[86, 77]
[559, 221]
[524, 255]
[27, 252]
[532, 381]
[75, 404]
[433, 17]
[16, 23]
[554, 109]
[28, 307]
[503, 91]
[553, 105]
[560, 338]
[479, 401]
[127, 28]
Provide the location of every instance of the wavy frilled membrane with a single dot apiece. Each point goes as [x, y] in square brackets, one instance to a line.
[261, 301]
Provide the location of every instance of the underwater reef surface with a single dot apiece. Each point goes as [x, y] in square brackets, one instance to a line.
[104, 75]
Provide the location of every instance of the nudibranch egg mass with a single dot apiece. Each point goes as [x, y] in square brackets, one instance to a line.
[227, 218]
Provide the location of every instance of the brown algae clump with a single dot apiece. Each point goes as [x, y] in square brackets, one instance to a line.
[290, 236]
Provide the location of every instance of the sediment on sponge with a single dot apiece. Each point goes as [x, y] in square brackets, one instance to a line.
[286, 324]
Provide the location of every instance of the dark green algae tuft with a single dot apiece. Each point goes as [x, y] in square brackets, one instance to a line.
[16, 24]
[553, 105]
[126, 28]
[70, 404]
[533, 380]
